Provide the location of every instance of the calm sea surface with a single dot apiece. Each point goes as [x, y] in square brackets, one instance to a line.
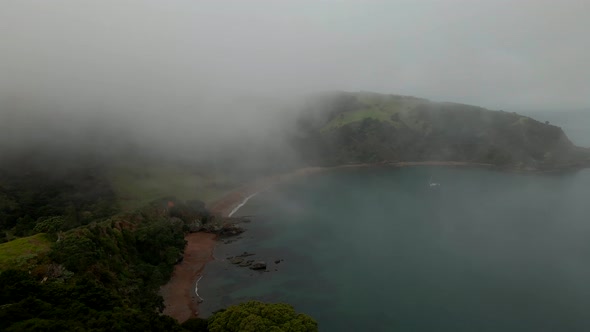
[377, 250]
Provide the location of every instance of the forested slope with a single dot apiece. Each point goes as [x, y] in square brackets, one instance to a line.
[72, 260]
[342, 127]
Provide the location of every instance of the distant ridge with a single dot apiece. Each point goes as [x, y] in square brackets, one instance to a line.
[361, 127]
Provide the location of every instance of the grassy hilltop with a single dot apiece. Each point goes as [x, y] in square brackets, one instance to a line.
[347, 127]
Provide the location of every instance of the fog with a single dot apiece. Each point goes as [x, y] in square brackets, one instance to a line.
[199, 75]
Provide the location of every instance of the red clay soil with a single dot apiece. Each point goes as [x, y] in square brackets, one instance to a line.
[179, 293]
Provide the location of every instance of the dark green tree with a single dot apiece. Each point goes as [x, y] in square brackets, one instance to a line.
[258, 316]
[196, 325]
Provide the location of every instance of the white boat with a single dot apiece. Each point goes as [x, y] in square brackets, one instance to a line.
[433, 185]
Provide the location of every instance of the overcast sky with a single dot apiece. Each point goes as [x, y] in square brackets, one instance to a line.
[519, 54]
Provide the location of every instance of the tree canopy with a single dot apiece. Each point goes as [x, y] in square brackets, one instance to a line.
[259, 316]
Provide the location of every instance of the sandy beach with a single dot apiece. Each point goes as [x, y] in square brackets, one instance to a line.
[179, 293]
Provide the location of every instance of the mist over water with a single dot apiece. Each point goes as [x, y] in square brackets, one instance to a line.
[575, 123]
[216, 86]
[201, 81]
[376, 249]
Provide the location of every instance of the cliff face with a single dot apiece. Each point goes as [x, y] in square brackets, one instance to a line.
[365, 127]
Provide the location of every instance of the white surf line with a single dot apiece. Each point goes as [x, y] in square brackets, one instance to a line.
[197, 289]
[244, 202]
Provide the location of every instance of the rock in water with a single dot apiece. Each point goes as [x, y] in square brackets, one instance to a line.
[246, 263]
[246, 254]
[236, 260]
[260, 265]
[230, 230]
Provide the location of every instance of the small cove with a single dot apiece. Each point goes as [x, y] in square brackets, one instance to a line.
[374, 248]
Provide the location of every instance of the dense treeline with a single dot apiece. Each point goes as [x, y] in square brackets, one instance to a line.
[80, 303]
[256, 316]
[105, 277]
[101, 276]
[60, 196]
[104, 269]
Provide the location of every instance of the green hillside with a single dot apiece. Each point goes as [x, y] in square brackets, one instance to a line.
[364, 105]
[19, 252]
[137, 184]
[367, 127]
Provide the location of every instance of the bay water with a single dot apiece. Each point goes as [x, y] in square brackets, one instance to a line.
[378, 249]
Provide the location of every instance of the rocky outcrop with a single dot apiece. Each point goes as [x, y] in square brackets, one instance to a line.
[195, 226]
[259, 265]
[236, 260]
[246, 263]
[192, 215]
[241, 261]
[230, 230]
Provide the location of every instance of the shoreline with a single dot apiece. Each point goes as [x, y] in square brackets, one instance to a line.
[230, 203]
[181, 292]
